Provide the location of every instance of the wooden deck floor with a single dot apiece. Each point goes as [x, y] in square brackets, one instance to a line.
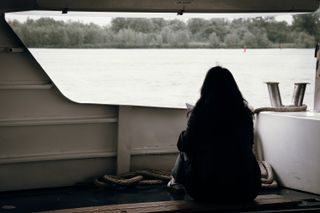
[261, 202]
[84, 198]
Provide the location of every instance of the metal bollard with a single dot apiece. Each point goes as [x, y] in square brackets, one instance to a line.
[274, 94]
[298, 93]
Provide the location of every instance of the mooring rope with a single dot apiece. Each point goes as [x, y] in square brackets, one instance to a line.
[158, 177]
[267, 178]
[289, 108]
[140, 177]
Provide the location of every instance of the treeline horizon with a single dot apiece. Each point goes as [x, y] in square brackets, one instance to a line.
[260, 32]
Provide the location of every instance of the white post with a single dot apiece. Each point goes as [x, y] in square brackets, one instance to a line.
[124, 140]
[317, 81]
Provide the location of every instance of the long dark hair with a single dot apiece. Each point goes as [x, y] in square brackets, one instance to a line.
[220, 92]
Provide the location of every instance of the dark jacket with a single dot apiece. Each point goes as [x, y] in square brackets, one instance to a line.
[219, 147]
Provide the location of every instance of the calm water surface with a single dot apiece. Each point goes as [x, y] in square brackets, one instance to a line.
[172, 77]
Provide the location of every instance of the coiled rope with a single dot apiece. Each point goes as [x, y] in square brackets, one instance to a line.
[140, 177]
[158, 177]
[267, 178]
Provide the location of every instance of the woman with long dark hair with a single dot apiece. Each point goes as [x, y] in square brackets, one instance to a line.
[216, 162]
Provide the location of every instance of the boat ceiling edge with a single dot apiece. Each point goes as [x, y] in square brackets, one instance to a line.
[192, 6]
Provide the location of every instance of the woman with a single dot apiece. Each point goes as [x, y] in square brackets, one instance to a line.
[216, 162]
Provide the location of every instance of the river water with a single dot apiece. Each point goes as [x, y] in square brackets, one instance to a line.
[173, 77]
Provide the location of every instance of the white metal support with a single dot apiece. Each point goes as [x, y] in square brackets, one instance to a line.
[317, 81]
[124, 139]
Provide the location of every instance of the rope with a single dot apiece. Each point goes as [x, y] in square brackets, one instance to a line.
[156, 174]
[289, 108]
[140, 177]
[267, 178]
[122, 181]
[158, 177]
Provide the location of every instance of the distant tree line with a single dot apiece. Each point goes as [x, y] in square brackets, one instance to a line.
[160, 33]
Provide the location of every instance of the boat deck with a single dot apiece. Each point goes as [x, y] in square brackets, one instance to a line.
[140, 199]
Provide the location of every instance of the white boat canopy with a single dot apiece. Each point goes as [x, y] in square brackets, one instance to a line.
[193, 6]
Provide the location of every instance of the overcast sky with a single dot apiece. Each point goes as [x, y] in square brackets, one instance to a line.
[104, 18]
